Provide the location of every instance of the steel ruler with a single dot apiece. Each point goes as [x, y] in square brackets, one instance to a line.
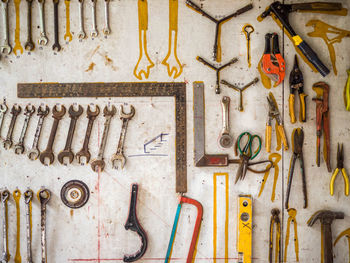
[125, 89]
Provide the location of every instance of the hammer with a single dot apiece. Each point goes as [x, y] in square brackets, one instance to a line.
[326, 218]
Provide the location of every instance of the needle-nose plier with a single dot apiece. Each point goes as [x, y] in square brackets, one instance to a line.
[296, 83]
[340, 167]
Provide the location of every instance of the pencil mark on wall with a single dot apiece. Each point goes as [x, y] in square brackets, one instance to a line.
[154, 146]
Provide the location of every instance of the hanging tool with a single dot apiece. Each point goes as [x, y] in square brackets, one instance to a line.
[28, 112]
[248, 29]
[217, 70]
[29, 45]
[240, 90]
[225, 139]
[15, 111]
[5, 46]
[280, 133]
[17, 197]
[297, 146]
[44, 196]
[217, 45]
[75, 194]
[275, 220]
[5, 255]
[340, 168]
[56, 45]
[94, 31]
[272, 62]
[68, 35]
[132, 223]
[274, 158]
[28, 197]
[345, 233]
[176, 67]
[296, 83]
[322, 122]
[280, 14]
[244, 228]
[3, 110]
[347, 92]
[193, 247]
[265, 80]
[43, 38]
[144, 64]
[292, 219]
[215, 223]
[106, 29]
[323, 30]
[326, 218]
[18, 46]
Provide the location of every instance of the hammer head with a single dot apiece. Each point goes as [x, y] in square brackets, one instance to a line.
[326, 217]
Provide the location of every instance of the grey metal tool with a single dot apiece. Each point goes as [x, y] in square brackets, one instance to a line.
[5, 46]
[106, 29]
[81, 33]
[240, 90]
[28, 112]
[15, 111]
[94, 32]
[43, 38]
[44, 196]
[5, 195]
[3, 110]
[28, 197]
[56, 45]
[226, 139]
[118, 159]
[34, 152]
[29, 45]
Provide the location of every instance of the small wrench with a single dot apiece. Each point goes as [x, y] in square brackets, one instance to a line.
[44, 196]
[43, 38]
[18, 46]
[118, 159]
[15, 112]
[99, 162]
[5, 46]
[68, 35]
[94, 32]
[56, 46]
[226, 139]
[48, 153]
[67, 151]
[106, 29]
[29, 45]
[3, 110]
[84, 152]
[28, 197]
[5, 195]
[28, 112]
[81, 34]
[17, 197]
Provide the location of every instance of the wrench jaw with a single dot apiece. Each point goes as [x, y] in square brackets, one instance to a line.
[6, 49]
[81, 35]
[98, 165]
[83, 157]
[47, 155]
[63, 155]
[43, 40]
[124, 115]
[19, 149]
[29, 46]
[44, 196]
[56, 47]
[118, 161]
[33, 154]
[7, 144]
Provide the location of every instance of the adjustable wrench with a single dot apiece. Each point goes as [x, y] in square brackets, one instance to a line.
[106, 29]
[28, 112]
[15, 112]
[226, 139]
[3, 110]
[94, 32]
[29, 45]
[28, 197]
[68, 35]
[56, 46]
[118, 159]
[48, 153]
[18, 46]
[5, 195]
[43, 38]
[84, 152]
[17, 196]
[44, 196]
[99, 162]
[81, 34]
[67, 151]
[5, 46]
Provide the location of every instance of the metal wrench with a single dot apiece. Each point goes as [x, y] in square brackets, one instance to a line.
[48, 153]
[67, 151]
[18, 46]
[43, 38]
[15, 112]
[81, 34]
[106, 29]
[28, 197]
[34, 152]
[99, 162]
[29, 45]
[5, 46]
[3, 110]
[56, 45]
[44, 196]
[118, 159]
[226, 139]
[5, 195]
[84, 152]
[28, 112]
[94, 32]
[68, 36]
[17, 196]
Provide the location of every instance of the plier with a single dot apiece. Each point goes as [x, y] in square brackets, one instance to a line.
[272, 63]
[296, 83]
[275, 220]
[280, 133]
[340, 167]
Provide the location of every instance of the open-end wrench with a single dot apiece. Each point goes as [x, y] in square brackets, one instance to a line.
[34, 152]
[43, 38]
[3, 110]
[5, 257]
[44, 196]
[226, 139]
[29, 45]
[28, 112]
[56, 46]
[28, 197]
[68, 36]
[17, 196]
[48, 153]
[18, 46]
[5, 46]
[84, 152]
[118, 159]
[94, 32]
[99, 163]
[15, 112]
[81, 34]
[106, 29]
[67, 151]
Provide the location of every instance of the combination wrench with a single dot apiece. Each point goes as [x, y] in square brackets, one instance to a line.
[81, 34]
[17, 196]
[28, 112]
[28, 197]
[118, 159]
[67, 151]
[48, 153]
[5, 195]
[94, 32]
[106, 29]
[68, 36]
[18, 46]
[15, 112]
[44, 196]
[84, 152]
[3, 110]
[29, 45]
[56, 46]
[226, 139]
[5, 46]
[43, 38]
[99, 163]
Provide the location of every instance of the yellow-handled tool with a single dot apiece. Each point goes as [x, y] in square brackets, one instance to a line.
[17, 197]
[274, 158]
[18, 46]
[347, 92]
[292, 218]
[340, 168]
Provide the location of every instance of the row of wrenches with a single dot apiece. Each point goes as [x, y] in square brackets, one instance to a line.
[44, 196]
[47, 157]
[5, 46]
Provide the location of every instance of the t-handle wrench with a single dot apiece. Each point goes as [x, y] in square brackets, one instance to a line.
[44, 196]
[28, 112]
[28, 197]
[15, 112]
[5, 195]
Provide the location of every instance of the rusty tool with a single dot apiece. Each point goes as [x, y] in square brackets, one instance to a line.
[75, 194]
[56, 45]
[340, 168]
[17, 196]
[28, 112]
[3, 110]
[29, 45]
[28, 198]
[225, 139]
[15, 111]
[345, 233]
[44, 196]
[248, 29]
[5, 196]
[275, 220]
[274, 158]
[292, 213]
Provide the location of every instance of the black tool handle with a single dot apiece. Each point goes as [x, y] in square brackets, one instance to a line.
[267, 44]
[275, 44]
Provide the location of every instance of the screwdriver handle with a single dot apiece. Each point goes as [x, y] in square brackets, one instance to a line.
[268, 138]
[291, 108]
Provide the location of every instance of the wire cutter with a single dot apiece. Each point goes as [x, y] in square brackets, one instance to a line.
[297, 146]
[275, 114]
[296, 83]
[340, 167]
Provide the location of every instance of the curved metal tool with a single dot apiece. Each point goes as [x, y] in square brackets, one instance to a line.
[275, 162]
[133, 224]
[292, 218]
[345, 233]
